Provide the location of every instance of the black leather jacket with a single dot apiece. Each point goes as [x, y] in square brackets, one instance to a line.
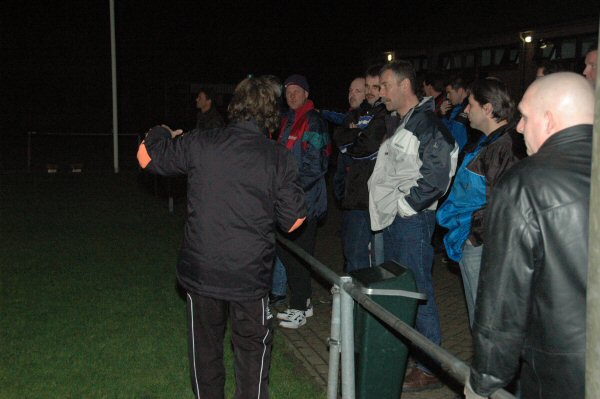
[531, 300]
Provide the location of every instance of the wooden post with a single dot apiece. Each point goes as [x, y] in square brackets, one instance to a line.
[592, 371]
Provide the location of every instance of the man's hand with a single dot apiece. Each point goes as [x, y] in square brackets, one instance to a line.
[469, 394]
[445, 107]
[173, 133]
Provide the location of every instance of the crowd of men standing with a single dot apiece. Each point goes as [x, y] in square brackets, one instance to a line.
[409, 155]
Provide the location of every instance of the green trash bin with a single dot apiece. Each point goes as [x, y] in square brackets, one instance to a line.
[380, 354]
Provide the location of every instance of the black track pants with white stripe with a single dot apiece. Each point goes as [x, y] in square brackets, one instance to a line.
[252, 336]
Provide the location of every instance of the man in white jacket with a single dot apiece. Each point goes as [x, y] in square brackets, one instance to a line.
[413, 170]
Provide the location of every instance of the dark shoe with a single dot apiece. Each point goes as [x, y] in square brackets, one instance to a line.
[418, 380]
[277, 300]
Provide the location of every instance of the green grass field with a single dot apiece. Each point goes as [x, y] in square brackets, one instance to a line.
[89, 306]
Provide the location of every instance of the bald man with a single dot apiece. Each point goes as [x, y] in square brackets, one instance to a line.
[356, 93]
[531, 302]
[591, 66]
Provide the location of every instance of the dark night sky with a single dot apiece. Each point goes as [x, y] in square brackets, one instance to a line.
[55, 72]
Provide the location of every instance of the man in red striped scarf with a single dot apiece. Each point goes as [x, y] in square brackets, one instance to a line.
[304, 133]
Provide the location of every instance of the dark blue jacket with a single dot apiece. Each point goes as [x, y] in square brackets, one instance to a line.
[458, 124]
[304, 133]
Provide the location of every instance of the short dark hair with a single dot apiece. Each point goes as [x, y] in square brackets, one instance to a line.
[458, 82]
[373, 70]
[403, 70]
[255, 98]
[550, 66]
[208, 93]
[436, 80]
[495, 92]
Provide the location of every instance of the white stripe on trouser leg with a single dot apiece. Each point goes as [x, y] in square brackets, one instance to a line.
[262, 362]
[193, 345]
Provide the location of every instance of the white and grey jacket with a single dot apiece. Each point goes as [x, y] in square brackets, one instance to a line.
[414, 167]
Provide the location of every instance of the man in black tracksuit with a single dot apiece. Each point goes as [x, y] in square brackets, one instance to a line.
[241, 185]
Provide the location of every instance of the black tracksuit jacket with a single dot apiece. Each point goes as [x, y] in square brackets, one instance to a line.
[240, 185]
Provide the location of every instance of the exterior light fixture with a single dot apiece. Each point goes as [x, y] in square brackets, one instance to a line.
[526, 37]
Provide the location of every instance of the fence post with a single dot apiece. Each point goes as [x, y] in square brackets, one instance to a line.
[592, 361]
[334, 345]
[29, 151]
[169, 189]
[347, 324]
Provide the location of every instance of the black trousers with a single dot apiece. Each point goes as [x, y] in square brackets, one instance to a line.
[252, 337]
[298, 272]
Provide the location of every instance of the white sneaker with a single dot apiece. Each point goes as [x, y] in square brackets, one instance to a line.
[292, 318]
[287, 314]
[309, 311]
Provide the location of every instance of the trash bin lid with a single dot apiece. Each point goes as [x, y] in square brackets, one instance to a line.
[370, 275]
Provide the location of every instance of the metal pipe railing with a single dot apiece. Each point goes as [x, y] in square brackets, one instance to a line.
[347, 334]
[31, 134]
[451, 364]
[334, 344]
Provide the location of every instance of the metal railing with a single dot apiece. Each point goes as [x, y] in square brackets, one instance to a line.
[31, 135]
[341, 340]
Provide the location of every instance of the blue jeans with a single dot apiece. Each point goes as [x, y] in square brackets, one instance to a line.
[407, 241]
[377, 248]
[279, 285]
[356, 239]
[470, 264]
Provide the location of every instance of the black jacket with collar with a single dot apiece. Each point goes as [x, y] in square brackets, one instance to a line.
[504, 148]
[240, 186]
[362, 146]
[209, 120]
[531, 299]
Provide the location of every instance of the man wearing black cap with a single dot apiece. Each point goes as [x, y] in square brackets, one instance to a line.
[304, 133]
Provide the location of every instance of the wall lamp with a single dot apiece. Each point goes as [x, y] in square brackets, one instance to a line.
[526, 37]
